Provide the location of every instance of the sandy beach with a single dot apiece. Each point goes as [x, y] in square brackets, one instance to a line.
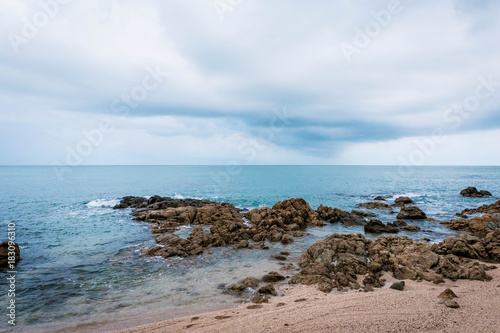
[305, 309]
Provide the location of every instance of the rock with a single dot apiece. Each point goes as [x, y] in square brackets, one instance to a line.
[399, 223]
[494, 208]
[287, 239]
[400, 285]
[268, 289]
[250, 282]
[474, 193]
[15, 253]
[255, 306]
[363, 213]
[273, 277]
[401, 201]
[411, 213]
[410, 228]
[259, 299]
[376, 226]
[447, 294]
[380, 198]
[278, 256]
[339, 260]
[476, 225]
[333, 215]
[451, 303]
[374, 205]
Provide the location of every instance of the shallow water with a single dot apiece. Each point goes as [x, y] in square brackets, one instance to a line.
[81, 259]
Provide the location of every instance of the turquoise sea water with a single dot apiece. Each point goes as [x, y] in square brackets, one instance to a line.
[81, 267]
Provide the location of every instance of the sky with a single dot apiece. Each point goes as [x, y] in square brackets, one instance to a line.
[224, 82]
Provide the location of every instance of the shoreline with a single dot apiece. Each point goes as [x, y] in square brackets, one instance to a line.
[416, 308]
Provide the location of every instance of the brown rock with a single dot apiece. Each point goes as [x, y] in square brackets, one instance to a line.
[451, 303]
[268, 289]
[411, 213]
[374, 205]
[5, 248]
[447, 294]
[273, 277]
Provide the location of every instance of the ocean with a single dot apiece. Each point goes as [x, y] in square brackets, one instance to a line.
[81, 268]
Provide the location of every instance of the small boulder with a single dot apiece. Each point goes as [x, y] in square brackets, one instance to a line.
[287, 239]
[379, 198]
[400, 285]
[278, 256]
[268, 289]
[401, 201]
[411, 213]
[273, 277]
[451, 303]
[447, 294]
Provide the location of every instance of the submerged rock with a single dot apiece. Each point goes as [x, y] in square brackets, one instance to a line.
[474, 193]
[374, 205]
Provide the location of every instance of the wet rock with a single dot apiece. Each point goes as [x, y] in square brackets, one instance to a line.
[410, 228]
[411, 213]
[333, 215]
[286, 239]
[273, 277]
[278, 256]
[401, 201]
[268, 289]
[255, 306]
[447, 294]
[243, 285]
[400, 285]
[474, 193]
[5, 248]
[399, 223]
[363, 213]
[259, 299]
[376, 226]
[374, 205]
[379, 198]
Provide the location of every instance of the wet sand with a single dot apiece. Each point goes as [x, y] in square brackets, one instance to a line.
[415, 309]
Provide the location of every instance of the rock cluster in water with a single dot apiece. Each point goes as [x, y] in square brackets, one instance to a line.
[480, 225]
[474, 193]
[281, 223]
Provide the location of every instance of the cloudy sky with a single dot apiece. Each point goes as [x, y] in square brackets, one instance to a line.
[249, 82]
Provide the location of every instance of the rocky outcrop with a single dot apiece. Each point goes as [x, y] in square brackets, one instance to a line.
[374, 205]
[376, 226]
[281, 223]
[474, 193]
[157, 202]
[333, 215]
[338, 260]
[288, 217]
[476, 225]
[469, 246]
[411, 213]
[5, 248]
[494, 208]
